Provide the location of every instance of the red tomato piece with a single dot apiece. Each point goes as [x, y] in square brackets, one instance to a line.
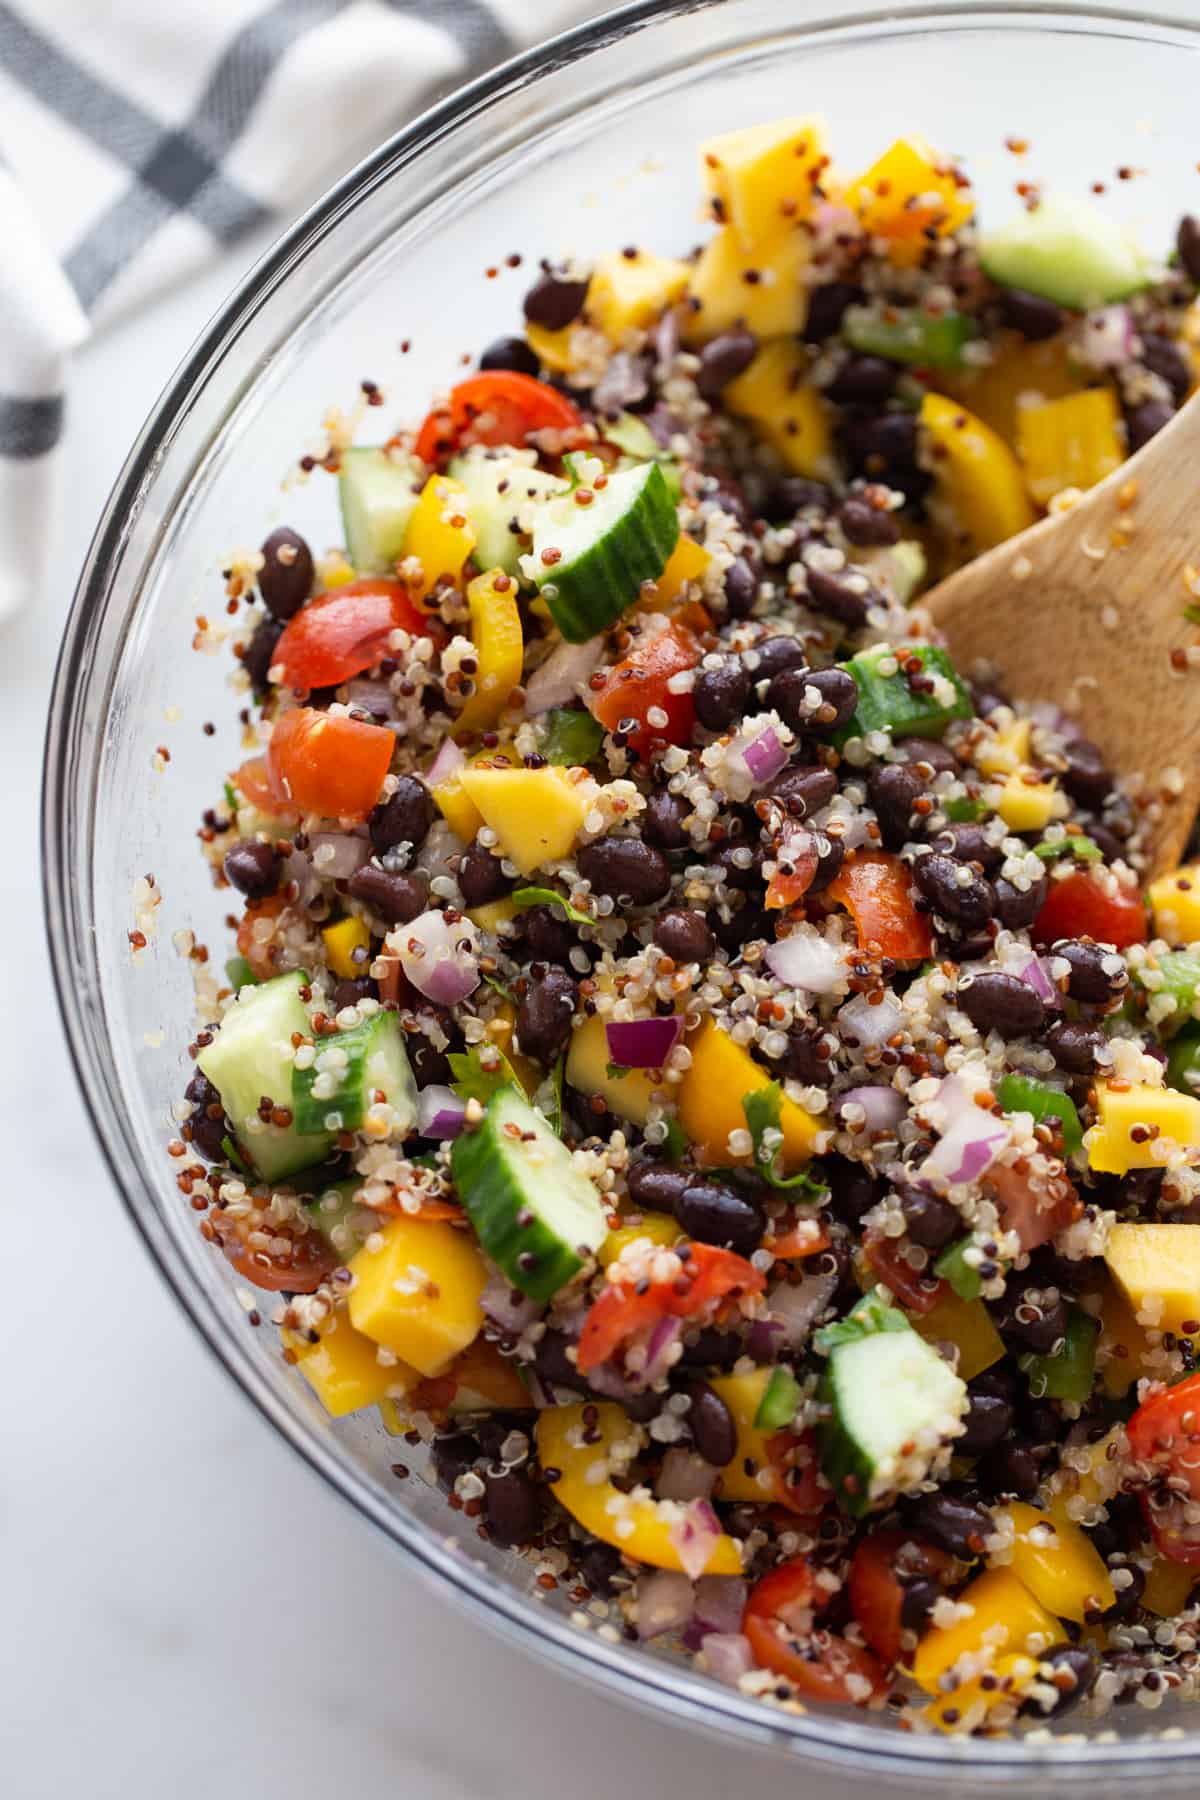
[877, 1583]
[299, 1269]
[915, 1289]
[1174, 1537]
[710, 1278]
[820, 1665]
[1165, 1432]
[327, 763]
[876, 890]
[1082, 906]
[796, 857]
[254, 785]
[1037, 1210]
[630, 689]
[499, 406]
[799, 1483]
[338, 635]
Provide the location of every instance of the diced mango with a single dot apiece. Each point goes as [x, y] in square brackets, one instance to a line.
[440, 534]
[1072, 442]
[763, 291]
[722, 1073]
[535, 813]
[552, 348]
[1175, 900]
[660, 1228]
[979, 491]
[501, 1028]
[909, 192]
[499, 648]
[967, 1707]
[418, 1292]
[343, 1368]
[1168, 1586]
[633, 1523]
[1019, 374]
[457, 808]
[750, 1476]
[1059, 1564]
[687, 562]
[1132, 1121]
[1157, 1268]
[493, 915]
[1005, 1616]
[1007, 750]
[628, 293]
[1096, 1482]
[760, 180]
[341, 941]
[790, 414]
[968, 1325]
[629, 1096]
[1123, 1349]
[1029, 805]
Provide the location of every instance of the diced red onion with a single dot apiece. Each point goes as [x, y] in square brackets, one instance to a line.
[373, 696]
[607, 1380]
[1037, 976]
[439, 1112]
[337, 855]
[502, 1303]
[883, 1106]
[642, 1043]
[624, 382]
[971, 1140]
[439, 956]
[1106, 337]
[832, 224]
[565, 670]
[695, 1536]
[721, 1602]
[448, 759]
[728, 1656]
[298, 867]
[685, 1476]
[664, 1603]
[666, 337]
[795, 1310]
[662, 1341]
[871, 1025]
[807, 961]
[764, 756]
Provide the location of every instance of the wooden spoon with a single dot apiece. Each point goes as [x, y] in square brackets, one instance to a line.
[1086, 609]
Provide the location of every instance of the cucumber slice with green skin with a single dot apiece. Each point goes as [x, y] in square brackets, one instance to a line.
[633, 436]
[894, 1406]
[599, 555]
[336, 1091]
[781, 1396]
[252, 1058]
[536, 1216]
[500, 489]
[1183, 1063]
[900, 703]
[1067, 251]
[1070, 1372]
[1021, 1093]
[570, 739]
[901, 568]
[908, 335]
[378, 494]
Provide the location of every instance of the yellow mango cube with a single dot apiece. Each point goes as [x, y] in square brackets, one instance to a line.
[1175, 901]
[979, 496]
[1005, 1616]
[343, 1368]
[1157, 1268]
[1026, 804]
[499, 649]
[501, 1028]
[1059, 1564]
[909, 192]
[791, 415]
[750, 1475]
[341, 941]
[629, 1096]
[440, 534]
[1133, 1119]
[711, 1094]
[1168, 1585]
[687, 562]
[417, 1293]
[967, 1707]
[1006, 750]
[535, 813]
[629, 293]
[761, 179]
[457, 808]
[1019, 374]
[1072, 442]
[660, 1228]
[552, 348]
[1123, 1350]
[763, 291]
[967, 1324]
[493, 915]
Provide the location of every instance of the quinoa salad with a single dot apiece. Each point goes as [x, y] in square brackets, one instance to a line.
[711, 1073]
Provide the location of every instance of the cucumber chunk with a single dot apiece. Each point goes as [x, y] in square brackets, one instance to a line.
[895, 1406]
[252, 1058]
[905, 334]
[535, 1214]
[900, 705]
[501, 487]
[599, 555]
[901, 568]
[635, 439]
[378, 494]
[781, 1396]
[350, 1067]
[1067, 251]
[340, 1219]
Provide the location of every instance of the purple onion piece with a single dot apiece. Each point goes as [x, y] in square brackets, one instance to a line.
[438, 955]
[664, 1603]
[556, 682]
[685, 1476]
[440, 1112]
[883, 1106]
[642, 1043]
[448, 759]
[695, 1536]
[728, 1657]
[764, 756]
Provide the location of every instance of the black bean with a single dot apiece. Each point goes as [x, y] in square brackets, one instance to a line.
[929, 1220]
[259, 655]
[827, 306]
[852, 1191]
[845, 596]
[1146, 420]
[741, 587]
[253, 868]
[395, 896]
[919, 1598]
[713, 1430]
[831, 854]
[714, 1213]
[1097, 975]
[773, 656]
[720, 695]
[1165, 359]
[994, 1001]
[711, 1349]
[404, 818]
[657, 1187]
[839, 697]
[803, 1061]
[430, 1066]
[787, 695]
[747, 925]
[1187, 242]
[545, 1013]
[989, 1421]
[207, 1121]
[1037, 1324]
[1031, 315]
[1010, 1471]
[552, 1364]
[953, 890]
[953, 1521]
[662, 821]
[683, 935]
[642, 1407]
[722, 359]
[1015, 907]
[511, 353]
[351, 989]
[727, 496]
[892, 789]
[512, 1505]
[286, 577]
[549, 937]
[1073, 1670]
[987, 700]
[453, 1455]
[803, 791]
[791, 495]
[863, 381]
[884, 447]
[929, 750]
[597, 1566]
[1086, 777]
[1121, 1527]
[865, 524]
[626, 868]
[481, 877]
[1076, 1047]
[740, 863]
[1128, 1598]
[554, 301]
[1112, 848]
[966, 842]
[589, 1113]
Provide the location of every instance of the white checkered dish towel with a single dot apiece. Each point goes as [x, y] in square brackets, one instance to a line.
[138, 138]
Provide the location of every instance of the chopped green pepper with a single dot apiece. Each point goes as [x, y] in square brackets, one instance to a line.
[570, 738]
[962, 811]
[1069, 1373]
[781, 1396]
[962, 1276]
[906, 334]
[1022, 1093]
[919, 698]
[1183, 1062]
[239, 974]
[1081, 848]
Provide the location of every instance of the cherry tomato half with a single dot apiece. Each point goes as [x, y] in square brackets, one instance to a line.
[338, 635]
[876, 890]
[915, 1289]
[297, 1269]
[819, 1664]
[1165, 1432]
[327, 763]
[877, 1584]
[633, 688]
[497, 407]
[712, 1278]
[1082, 906]
[1037, 1209]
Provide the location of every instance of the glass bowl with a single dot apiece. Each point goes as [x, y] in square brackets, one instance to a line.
[396, 275]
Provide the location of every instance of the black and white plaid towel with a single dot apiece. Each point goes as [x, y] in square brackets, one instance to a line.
[138, 137]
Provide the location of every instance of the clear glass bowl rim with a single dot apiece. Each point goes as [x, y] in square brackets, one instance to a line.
[654, 1685]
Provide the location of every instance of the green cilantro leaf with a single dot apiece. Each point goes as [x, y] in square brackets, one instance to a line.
[473, 1081]
[764, 1110]
[543, 896]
